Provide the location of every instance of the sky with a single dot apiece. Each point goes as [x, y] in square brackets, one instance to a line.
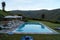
[30, 4]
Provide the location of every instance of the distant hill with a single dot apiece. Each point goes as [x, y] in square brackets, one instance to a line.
[52, 15]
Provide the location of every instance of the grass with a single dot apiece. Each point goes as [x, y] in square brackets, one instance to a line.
[35, 36]
[3, 13]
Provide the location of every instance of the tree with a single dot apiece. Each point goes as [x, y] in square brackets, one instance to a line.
[3, 6]
[43, 16]
[0, 28]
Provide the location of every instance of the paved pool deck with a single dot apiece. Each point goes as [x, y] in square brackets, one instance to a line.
[12, 27]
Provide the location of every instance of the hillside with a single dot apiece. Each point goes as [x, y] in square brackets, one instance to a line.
[3, 13]
[52, 15]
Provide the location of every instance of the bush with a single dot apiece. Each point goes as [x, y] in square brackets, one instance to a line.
[25, 19]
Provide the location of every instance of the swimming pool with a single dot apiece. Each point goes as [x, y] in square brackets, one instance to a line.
[34, 28]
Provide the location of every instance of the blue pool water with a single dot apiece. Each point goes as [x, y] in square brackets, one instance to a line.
[34, 28]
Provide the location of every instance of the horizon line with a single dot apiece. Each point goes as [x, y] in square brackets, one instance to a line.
[31, 9]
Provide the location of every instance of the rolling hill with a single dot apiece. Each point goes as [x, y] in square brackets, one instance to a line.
[52, 15]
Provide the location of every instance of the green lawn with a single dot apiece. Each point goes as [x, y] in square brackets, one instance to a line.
[35, 36]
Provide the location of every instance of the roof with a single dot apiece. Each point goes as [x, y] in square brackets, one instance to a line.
[13, 17]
